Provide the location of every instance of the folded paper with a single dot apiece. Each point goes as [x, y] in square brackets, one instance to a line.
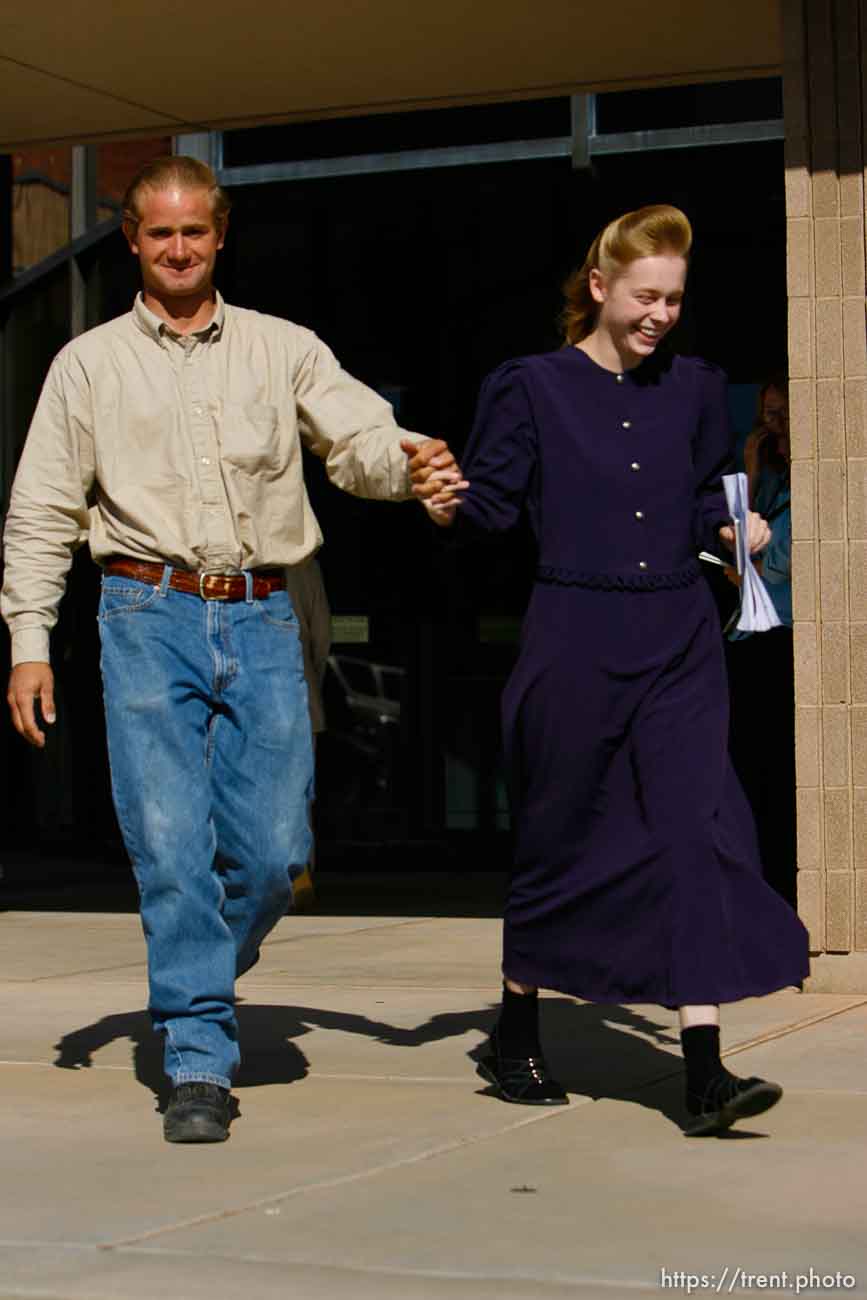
[757, 613]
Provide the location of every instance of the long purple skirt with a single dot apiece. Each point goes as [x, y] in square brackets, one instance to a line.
[637, 875]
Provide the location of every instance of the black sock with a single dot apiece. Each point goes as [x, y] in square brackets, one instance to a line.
[704, 1068]
[518, 1026]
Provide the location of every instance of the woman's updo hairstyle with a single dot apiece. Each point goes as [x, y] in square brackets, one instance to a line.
[648, 232]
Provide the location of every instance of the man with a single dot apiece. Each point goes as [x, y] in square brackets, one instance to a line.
[171, 439]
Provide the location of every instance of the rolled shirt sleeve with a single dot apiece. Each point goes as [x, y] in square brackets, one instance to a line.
[350, 427]
[48, 510]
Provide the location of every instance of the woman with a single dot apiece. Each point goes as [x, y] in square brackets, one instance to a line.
[636, 874]
[766, 451]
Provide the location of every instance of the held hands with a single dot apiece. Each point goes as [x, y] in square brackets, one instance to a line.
[28, 683]
[758, 533]
[436, 478]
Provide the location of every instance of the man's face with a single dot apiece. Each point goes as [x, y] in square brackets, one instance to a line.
[176, 242]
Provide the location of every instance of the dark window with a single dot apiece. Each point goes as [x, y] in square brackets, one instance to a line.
[677, 106]
[392, 132]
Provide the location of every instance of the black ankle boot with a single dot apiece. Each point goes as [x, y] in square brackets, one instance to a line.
[522, 1079]
[714, 1096]
[727, 1099]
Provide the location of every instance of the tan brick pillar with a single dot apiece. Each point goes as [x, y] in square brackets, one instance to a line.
[825, 87]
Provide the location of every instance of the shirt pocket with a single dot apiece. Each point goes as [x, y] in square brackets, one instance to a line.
[250, 438]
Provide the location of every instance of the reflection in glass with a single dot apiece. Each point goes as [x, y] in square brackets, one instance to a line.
[41, 180]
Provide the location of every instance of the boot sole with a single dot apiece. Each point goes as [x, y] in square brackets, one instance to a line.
[754, 1101]
[196, 1128]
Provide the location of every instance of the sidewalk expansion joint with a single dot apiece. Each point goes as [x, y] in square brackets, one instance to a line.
[552, 1283]
[328, 1184]
[398, 923]
[549, 1281]
[75, 974]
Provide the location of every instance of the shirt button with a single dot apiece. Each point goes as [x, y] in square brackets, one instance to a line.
[642, 564]
[627, 424]
[635, 465]
[206, 460]
[197, 410]
[639, 514]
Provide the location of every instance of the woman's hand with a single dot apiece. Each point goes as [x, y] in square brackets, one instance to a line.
[443, 505]
[758, 533]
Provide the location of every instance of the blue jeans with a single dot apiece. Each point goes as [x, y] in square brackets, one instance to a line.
[211, 766]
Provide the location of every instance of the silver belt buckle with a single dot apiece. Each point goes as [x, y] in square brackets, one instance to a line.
[212, 573]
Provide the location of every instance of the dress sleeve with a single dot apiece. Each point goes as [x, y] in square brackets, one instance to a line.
[712, 457]
[501, 456]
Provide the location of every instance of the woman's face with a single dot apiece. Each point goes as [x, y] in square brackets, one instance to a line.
[640, 304]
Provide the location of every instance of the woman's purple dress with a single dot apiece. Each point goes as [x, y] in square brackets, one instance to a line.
[636, 874]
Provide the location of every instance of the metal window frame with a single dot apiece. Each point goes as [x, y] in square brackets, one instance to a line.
[583, 145]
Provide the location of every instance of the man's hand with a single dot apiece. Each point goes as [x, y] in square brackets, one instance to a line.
[758, 533]
[436, 478]
[28, 683]
[426, 459]
[433, 469]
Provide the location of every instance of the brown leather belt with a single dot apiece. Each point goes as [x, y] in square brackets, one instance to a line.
[210, 586]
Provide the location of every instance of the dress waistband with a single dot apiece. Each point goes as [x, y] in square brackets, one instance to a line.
[556, 576]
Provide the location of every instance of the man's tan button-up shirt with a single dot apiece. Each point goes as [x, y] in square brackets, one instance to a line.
[185, 450]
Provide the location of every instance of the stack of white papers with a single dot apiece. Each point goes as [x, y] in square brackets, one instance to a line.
[757, 613]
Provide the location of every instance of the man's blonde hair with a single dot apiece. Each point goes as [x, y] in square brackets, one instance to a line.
[648, 232]
[175, 169]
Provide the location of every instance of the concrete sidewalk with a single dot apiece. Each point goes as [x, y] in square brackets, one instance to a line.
[368, 1158]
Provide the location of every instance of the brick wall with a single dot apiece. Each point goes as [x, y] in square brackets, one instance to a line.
[825, 87]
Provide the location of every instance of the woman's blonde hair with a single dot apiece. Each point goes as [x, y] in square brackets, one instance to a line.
[647, 232]
[175, 169]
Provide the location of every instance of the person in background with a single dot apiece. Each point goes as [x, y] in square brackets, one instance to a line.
[761, 666]
[310, 602]
[767, 452]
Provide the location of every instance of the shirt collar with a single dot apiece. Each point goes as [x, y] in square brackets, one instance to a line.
[156, 328]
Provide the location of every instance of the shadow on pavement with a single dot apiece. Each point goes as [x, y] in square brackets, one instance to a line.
[601, 1052]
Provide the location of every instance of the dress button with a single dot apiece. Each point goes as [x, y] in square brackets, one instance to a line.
[642, 564]
[620, 379]
[635, 465]
[639, 514]
[627, 424]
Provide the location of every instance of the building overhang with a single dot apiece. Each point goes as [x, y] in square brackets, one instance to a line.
[117, 68]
